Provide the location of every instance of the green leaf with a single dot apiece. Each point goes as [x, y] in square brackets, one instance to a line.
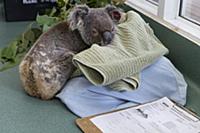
[37, 32]
[12, 63]
[45, 28]
[53, 11]
[8, 66]
[1, 60]
[62, 3]
[19, 58]
[13, 48]
[29, 35]
[45, 19]
[8, 53]
[15, 51]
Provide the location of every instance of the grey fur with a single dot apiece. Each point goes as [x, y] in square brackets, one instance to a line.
[48, 64]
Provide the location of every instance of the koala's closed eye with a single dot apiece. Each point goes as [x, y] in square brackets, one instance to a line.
[95, 32]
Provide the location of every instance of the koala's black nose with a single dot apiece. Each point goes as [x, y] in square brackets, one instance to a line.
[107, 37]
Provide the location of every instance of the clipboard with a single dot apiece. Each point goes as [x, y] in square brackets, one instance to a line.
[87, 126]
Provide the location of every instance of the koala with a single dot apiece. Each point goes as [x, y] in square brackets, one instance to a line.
[48, 64]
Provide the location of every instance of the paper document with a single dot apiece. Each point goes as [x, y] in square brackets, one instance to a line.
[161, 116]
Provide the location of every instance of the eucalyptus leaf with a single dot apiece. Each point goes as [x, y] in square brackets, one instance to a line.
[12, 63]
[53, 12]
[8, 66]
[62, 3]
[37, 32]
[8, 53]
[45, 27]
[12, 55]
[13, 48]
[29, 35]
[1, 60]
[45, 19]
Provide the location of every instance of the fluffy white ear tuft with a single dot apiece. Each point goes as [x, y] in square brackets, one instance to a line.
[77, 15]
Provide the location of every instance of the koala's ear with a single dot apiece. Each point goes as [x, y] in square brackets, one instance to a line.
[114, 13]
[76, 16]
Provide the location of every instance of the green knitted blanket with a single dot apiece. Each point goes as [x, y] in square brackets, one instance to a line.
[134, 47]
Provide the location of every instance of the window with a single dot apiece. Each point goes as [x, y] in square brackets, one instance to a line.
[191, 10]
[181, 16]
[147, 5]
[155, 2]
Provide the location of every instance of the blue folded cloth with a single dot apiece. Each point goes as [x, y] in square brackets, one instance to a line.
[158, 80]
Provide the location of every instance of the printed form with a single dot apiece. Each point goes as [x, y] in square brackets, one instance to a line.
[161, 116]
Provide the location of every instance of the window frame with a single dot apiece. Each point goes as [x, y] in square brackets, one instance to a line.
[167, 13]
[182, 12]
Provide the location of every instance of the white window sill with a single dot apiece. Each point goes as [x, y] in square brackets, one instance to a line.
[179, 25]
